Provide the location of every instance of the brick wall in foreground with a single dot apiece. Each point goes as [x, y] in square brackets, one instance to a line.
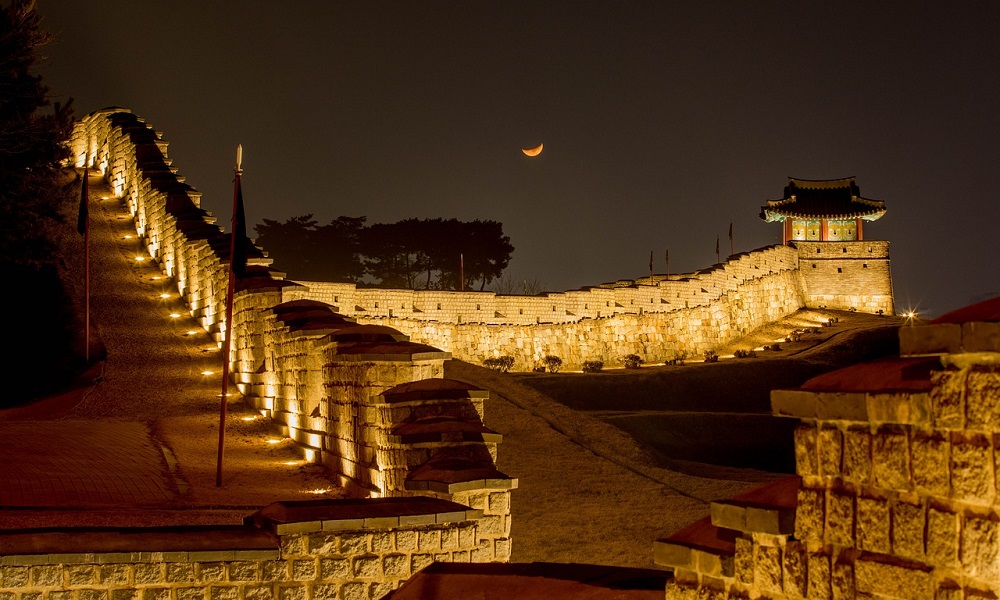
[341, 549]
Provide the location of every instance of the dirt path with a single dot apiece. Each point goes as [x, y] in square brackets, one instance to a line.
[587, 491]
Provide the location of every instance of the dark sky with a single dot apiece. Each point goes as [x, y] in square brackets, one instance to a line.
[662, 122]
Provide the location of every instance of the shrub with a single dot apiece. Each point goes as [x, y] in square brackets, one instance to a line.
[745, 354]
[632, 361]
[774, 347]
[593, 366]
[554, 363]
[677, 359]
[499, 363]
[711, 356]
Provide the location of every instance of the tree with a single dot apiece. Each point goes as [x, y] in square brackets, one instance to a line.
[289, 244]
[338, 250]
[34, 196]
[32, 144]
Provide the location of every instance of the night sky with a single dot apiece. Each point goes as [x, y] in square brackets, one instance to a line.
[662, 122]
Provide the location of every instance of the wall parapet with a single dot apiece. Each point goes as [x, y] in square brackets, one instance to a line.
[317, 549]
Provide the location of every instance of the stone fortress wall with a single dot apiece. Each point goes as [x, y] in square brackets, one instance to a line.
[656, 319]
[365, 401]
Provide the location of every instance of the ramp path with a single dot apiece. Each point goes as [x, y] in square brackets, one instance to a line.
[139, 446]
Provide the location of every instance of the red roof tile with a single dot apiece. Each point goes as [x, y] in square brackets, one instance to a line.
[988, 310]
[532, 581]
[889, 375]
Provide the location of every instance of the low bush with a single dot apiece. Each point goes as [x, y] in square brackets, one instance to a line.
[499, 363]
[553, 363]
[593, 366]
[745, 354]
[711, 356]
[632, 361]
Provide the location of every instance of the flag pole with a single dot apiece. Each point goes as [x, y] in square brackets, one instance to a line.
[717, 258]
[666, 263]
[731, 251]
[85, 217]
[650, 267]
[461, 272]
[227, 338]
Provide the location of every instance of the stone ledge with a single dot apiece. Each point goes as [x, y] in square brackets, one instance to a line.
[753, 519]
[308, 516]
[108, 545]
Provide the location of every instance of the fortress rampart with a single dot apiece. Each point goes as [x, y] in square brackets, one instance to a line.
[657, 319]
[364, 401]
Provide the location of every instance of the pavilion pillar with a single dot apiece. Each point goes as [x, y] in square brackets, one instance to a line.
[858, 229]
[824, 230]
[786, 232]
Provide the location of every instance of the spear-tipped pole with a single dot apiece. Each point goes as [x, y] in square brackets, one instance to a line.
[227, 338]
[84, 224]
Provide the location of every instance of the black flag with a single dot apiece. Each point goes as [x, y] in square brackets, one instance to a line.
[83, 219]
[239, 257]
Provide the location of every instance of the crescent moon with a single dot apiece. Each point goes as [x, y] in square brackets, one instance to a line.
[533, 151]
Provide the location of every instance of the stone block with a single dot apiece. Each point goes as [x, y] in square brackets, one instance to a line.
[211, 572]
[501, 550]
[943, 338]
[908, 530]
[367, 567]
[218, 592]
[15, 577]
[858, 454]
[334, 568]
[873, 525]
[383, 541]
[840, 519]
[406, 541]
[180, 572]
[981, 337]
[319, 591]
[275, 570]
[795, 570]
[743, 561]
[304, 569]
[429, 540]
[885, 579]
[890, 459]
[831, 446]
[40, 576]
[499, 502]
[929, 458]
[767, 574]
[806, 445]
[842, 581]
[163, 593]
[76, 575]
[292, 592]
[809, 514]
[980, 547]
[191, 593]
[971, 469]
[818, 575]
[948, 399]
[354, 543]
[149, 573]
[942, 538]
[982, 401]
[419, 561]
[114, 574]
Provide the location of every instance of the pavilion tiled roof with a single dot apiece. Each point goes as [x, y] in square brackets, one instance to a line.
[822, 199]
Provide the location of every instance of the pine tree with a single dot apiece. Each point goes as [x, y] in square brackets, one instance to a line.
[34, 192]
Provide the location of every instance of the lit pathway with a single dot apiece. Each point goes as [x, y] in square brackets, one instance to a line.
[145, 435]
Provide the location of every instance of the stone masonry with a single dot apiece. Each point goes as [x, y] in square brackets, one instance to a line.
[898, 487]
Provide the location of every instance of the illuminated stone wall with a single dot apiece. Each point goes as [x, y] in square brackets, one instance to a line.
[329, 550]
[846, 275]
[690, 314]
[900, 490]
[324, 392]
